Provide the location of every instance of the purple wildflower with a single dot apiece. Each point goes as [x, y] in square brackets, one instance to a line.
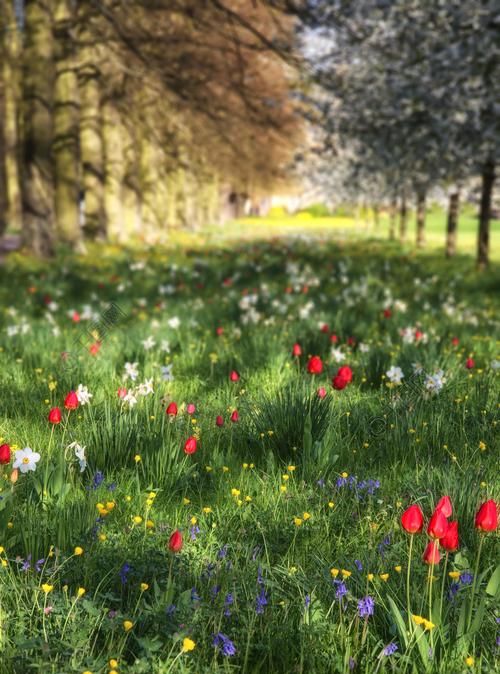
[224, 644]
[366, 607]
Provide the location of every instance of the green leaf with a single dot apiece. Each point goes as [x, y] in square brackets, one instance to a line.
[494, 583]
[400, 623]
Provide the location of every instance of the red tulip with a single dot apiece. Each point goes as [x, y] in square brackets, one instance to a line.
[412, 520]
[219, 332]
[122, 392]
[334, 339]
[444, 505]
[487, 516]
[345, 372]
[438, 525]
[71, 401]
[431, 553]
[219, 421]
[75, 317]
[387, 313]
[172, 410]
[296, 351]
[94, 348]
[4, 454]
[351, 341]
[191, 445]
[469, 363]
[175, 541]
[234, 376]
[55, 415]
[339, 382]
[450, 540]
[418, 334]
[191, 409]
[321, 392]
[325, 328]
[455, 341]
[235, 416]
[315, 365]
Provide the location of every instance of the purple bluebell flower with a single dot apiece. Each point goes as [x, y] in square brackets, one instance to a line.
[124, 571]
[224, 644]
[358, 564]
[466, 578]
[194, 530]
[307, 601]
[194, 595]
[228, 601]
[39, 565]
[352, 663]
[97, 480]
[366, 607]
[26, 565]
[390, 649]
[341, 590]
[215, 590]
[222, 552]
[261, 602]
[170, 610]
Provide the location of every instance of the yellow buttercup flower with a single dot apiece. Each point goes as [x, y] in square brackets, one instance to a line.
[397, 568]
[469, 661]
[345, 573]
[297, 521]
[370, 577]
[186, 501]
[137, 519]
[306, 516]
[144, 587]
[207, 510]
[137, 458]
[235, 492]
[80, 592]
[188, 645]
[455, 575]
[47, 588]
[384, 577]
[127, 625]
[418, 620]
[428, 625]
[78, 551]
[193, 520]
[113, 663]
[150, 524]
[334, 572]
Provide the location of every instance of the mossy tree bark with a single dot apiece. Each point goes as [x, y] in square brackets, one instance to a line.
[420, 219]
[36, 165]
[10, 51]
[66, 126]
[452, 224]
[91, 140]
[113, 169]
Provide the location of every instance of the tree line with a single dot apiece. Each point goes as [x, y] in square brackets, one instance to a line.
[121, 118]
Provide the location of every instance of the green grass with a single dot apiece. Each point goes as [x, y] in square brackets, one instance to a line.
[269, 506]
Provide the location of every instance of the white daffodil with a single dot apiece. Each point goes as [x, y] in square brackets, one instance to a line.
[26, 459]
[83, 395]
[394, 375]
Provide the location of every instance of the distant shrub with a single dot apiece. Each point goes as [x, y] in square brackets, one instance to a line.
[316, 211]
[277, 212]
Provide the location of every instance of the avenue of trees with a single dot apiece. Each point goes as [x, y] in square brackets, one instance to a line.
[133, 116]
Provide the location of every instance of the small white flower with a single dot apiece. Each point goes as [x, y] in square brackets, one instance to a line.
[166, 372]
[26, 459]
[12, 330]
[495, 364]
[418, 368]
[394, 374]
[83, 395]
[165, 346]
[80, 455]
[148, 343]
[337, 355]
[174, 322]
[131, 371]
[364, 348]
[52, 306]
[434, 383]
[130, 398]
[146, 387]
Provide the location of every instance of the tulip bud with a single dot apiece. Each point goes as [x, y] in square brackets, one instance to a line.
[412, 520]
[345, 372]
[339, 382]
[234, 376]
[175, 541]
[190, 446]
[431, 553]
[469, 363]
[172, 409]
[71, 401]
[487, 516]
[4, 454]
[235, 416]
[321, 392]
[438, 525]
[297, 350]
[55, 415]
[219, 421]
[14, 475]
[315, 365]
[444, 505]
[449, 542]
[190, 409]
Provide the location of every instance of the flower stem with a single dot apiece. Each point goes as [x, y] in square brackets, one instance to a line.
[408, 572]
[474, 582]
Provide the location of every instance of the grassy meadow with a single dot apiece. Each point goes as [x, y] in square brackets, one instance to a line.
[255, 525]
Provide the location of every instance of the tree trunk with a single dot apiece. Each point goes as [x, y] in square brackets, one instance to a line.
[483, 236]
[10, 55]
[38, 88]
[376, 216]
[451, 228]
[403, 218]
[392, 219]
[66, 128]
[3, 177]
[91, 142]
[420, 219]
[113, 158]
